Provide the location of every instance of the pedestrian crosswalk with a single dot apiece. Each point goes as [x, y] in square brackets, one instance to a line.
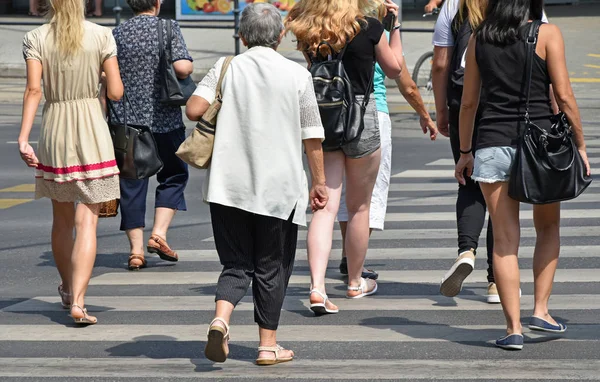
[153, 322]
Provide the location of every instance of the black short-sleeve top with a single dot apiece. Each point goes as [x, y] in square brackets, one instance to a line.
[359, 57]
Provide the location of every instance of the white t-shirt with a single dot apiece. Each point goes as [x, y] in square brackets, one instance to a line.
[442, 34]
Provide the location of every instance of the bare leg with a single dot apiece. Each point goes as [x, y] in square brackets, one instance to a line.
[360, 179]
[84, 252]
[98, 8]
[136, 244]
[162, 220]
[504, 212]
[545, 258]
[269, 338]
[320, 231]
[63, 223]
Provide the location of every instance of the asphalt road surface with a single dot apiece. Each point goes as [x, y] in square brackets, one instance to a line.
[153, 323]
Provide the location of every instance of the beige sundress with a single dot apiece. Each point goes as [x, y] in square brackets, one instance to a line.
[75, 151]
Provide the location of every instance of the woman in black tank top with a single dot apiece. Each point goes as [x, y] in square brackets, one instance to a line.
[495, 69]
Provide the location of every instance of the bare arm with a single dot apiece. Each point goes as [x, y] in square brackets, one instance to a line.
[432, 4]
[183, 68]
[559, 76]
[31, 102]
[318, 190]
[439, 77]
[196, 107]
[410, 92]
[468, 110]
[389, 55]
[114, 85]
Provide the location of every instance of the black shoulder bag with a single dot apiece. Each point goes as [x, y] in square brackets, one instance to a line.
[548, 167]
[135, 149]
[173, 91]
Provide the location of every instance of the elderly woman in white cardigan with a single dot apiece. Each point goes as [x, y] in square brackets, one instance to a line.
[256, 185]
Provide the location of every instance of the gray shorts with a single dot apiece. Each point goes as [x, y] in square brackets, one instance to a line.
[493, 164]
[369, 140]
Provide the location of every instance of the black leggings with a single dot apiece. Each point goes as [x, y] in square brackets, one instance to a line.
[470, 206]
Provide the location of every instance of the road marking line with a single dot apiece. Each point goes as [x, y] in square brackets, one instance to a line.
[7, 203]
[146, 368]
[586, 80]
[592, 66]
[20, 188]
[333, 277]
[293, 303]
[594, 55]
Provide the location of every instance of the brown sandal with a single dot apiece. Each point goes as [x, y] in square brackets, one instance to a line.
[133, 267]
[159, 246]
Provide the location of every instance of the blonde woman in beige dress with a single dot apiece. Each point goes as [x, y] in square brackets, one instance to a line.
[75, 163]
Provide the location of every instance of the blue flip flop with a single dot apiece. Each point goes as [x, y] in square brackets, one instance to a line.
[511, 342]
[542, 325]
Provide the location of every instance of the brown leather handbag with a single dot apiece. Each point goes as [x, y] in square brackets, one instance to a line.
[109, 209]
[197, 148]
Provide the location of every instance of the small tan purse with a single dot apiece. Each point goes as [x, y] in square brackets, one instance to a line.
[197, 148]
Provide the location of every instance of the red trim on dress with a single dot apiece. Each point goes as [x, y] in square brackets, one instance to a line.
[77, 168]
[79, 180]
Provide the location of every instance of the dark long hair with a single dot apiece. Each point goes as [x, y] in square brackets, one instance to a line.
[504, 18]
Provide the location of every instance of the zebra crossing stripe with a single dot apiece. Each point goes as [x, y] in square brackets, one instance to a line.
[302, 369]
[97, 304]
[333, 277]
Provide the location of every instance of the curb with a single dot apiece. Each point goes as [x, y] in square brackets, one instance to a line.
[20, 71]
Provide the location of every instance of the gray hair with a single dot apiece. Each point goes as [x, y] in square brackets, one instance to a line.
[261, 25]
[139, 6]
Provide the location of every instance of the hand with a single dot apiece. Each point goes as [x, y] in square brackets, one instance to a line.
[430, 7]
[465, 162]
[393, 8]
[585, 161]
[318, 197]
[27, 154]
[428, 124]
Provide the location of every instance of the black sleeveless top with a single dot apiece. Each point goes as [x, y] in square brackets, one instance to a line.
[502, 70]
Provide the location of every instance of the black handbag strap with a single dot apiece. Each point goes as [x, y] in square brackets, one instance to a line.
[162, 47]
[531, 42]
[112, 111]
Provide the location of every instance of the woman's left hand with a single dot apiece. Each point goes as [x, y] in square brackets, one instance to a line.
[586, 161]
[427, 124]
[465, 162]
[28, 155]
[393, 8]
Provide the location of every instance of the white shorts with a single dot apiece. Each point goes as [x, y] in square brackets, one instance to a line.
[382, 184]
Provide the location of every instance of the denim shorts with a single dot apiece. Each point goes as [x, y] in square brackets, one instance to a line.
[369, 140]
[493, 164]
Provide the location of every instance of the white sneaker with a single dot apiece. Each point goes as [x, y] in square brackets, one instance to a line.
[461, 269]
[492, 294]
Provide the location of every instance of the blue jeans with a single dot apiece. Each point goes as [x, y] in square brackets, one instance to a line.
[172, 180]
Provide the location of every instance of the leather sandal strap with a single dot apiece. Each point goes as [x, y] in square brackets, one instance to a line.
[137, 257]
[274, 349]
[361, 288]
[323, 296]
[223, 322]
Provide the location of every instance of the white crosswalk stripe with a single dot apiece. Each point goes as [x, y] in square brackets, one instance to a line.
[405, 325]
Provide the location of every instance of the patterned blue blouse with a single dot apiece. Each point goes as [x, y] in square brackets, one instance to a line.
[138, 56]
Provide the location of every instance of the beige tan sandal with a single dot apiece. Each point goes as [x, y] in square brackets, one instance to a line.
[272, 361]
[86, 319]
[217, 348]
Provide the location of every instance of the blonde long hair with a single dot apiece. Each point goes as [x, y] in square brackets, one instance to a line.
[474, 10]
[336, 22]
[66, 20]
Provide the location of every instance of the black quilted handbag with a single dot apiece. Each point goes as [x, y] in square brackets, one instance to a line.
[173, 91]
[135, 149]
[548, 167]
